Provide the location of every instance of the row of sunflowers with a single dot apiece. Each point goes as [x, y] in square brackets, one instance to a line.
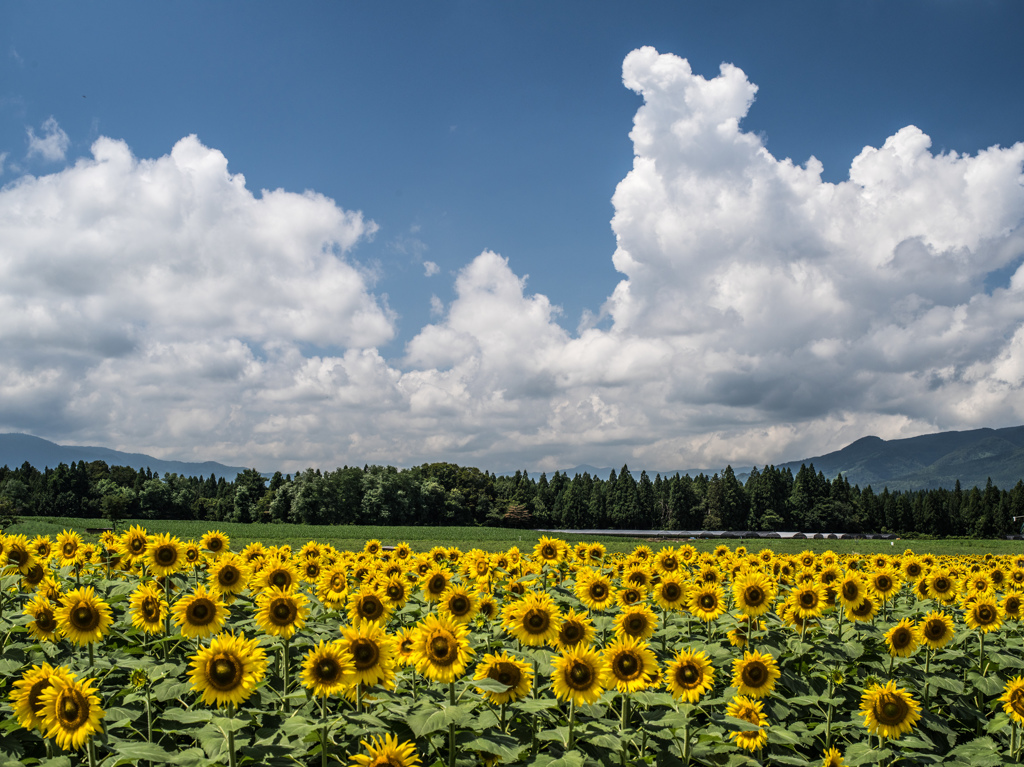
[146, 648]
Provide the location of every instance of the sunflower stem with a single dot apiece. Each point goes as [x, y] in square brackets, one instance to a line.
[981, 652]
[623, 724]
[284, 674]
[149, 712]
[91, 750]
[231, 736]
[927, 664]
[572, 723]
[451, 727]
[502, 718]
[323, 730]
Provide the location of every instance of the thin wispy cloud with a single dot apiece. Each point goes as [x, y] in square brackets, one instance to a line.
[52, 145]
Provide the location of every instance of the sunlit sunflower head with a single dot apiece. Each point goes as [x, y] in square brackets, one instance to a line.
[983, 614]
[71, 711]
[215, 542]
[487, 609]
[667, 561]
[755, 674]
[707, 602]
[368, 603]
[395, 591]
[549, 550]
[577, 629]
[83, 617]
[885, 583]
[889, 711]
[26, 694]
[200, 614]
[595, 591]
[638, 621]
[630, 595]
[387, 752]
[165, 555]
[742, 707]
[148, 608]
[228, 575]
[1011, 605]
[277, 574]
[902, 639]
[372, 652]
[18, 553]
[43, 626]
[508, 670]
[332, 586]
[440, 648]
[807, 600]
[228, 670]
[863, 611]
[68, 543]
[403, 551]
[281, 612]
[434, 583]
[630, 664]
[372, 547]
[578, 675]
[595, 553]
[753, 593]
[942, 585]
[690, 676]
[936, 630]
[326, 669]
[133, 542]
[670, 592]
[41, 547]
[637, 576]
[534, 621]
[1013, 699]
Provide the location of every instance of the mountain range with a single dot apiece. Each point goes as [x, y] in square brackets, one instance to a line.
[915, 463]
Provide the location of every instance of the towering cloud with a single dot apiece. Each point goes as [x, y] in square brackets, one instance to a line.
[763, 313]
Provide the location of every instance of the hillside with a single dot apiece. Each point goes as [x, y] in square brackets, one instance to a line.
[16, 449]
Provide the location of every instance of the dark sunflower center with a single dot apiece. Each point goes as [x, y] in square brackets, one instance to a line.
[580, 676]
[280, 579]
[864, 608]
[442, 652]
[808, 599]
[891, 710]
[85, 618]
[69, 550]
[669, 563]
[708, 601]
[754, 596]
[688, 675]
[150, 609]
[934, 629]
[283, 612]
[137, 545]
[73, 710]
[200, 612]
[395, 592]
[228, 576]
[1012, 605]
[458, 606]
[36, 693]
[45, 620]
[635, 624]
[671, 592]
[941, 585]
[365, 653]
[902, 638]
[549, 552]
[371, 607]
[598, 591]
[754, 674]
[215, 544]
[883, 583]
[225, 672]
[438, 584]
[630, 596]
[571, 633]
[537, 621]
[985, 615]
[166, 556]
[1017, 701]
[506, 673]
[328, 670]
[627, 666]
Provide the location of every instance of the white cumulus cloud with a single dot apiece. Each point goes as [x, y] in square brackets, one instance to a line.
[52, 145]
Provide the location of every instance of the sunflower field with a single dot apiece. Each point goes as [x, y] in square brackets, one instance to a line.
[147, 649]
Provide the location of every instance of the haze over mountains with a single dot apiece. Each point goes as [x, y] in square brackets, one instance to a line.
[924, 462]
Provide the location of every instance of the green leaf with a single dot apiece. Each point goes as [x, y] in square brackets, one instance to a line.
[943, 682]
[505, 746]
[988, 685]
[150, 752]
[187, 717]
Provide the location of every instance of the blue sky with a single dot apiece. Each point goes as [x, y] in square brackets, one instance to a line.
[459, 128]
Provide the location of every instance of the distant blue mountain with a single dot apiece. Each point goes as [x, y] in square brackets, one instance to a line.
[16, 449]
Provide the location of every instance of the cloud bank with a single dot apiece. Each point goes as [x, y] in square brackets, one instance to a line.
[763, 314]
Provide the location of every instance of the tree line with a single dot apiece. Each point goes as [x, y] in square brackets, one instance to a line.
[447, 494]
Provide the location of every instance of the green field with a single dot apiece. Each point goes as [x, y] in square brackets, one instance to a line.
[352, 537]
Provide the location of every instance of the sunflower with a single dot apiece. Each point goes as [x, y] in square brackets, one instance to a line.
[18, 553]
[83, 617]
[41, 548]
[578, 675]
[638, 576]
[807, 600]
[403, 551]
[936, 630]
[832, 758]
[133, 542]
[148, 608]
[43, 626]
[670, 592]
[434, 583]
[638, 621]
[26, 693]
[281, 612]
[596, 552]
[752, 711]
[740, 636]
[440, 648]
[278, 574]
[458, 604]
[534, 621]
[229, 576]
[690, 675]
[508, 670]
[1013, 699]
[215, 542]
[754, 593]
[227, 671]
[850, 589]
[368, 604]
[1011, 606]
[549, 550]
[576, 629]
[629, 664]
[885, 583]
[631, 595]
[326, 669]
[68, 543]
[332, 586]
[902, 639]
[165, 554]
[70, 711]
[372, 651]
[865, 611]
[200, 614]
[942, 585]
[755, 674]
[193, 554]
[595, 591]
[707, 602]
[387, 752]
[983, 615]
[487, 608]
[889, 711]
